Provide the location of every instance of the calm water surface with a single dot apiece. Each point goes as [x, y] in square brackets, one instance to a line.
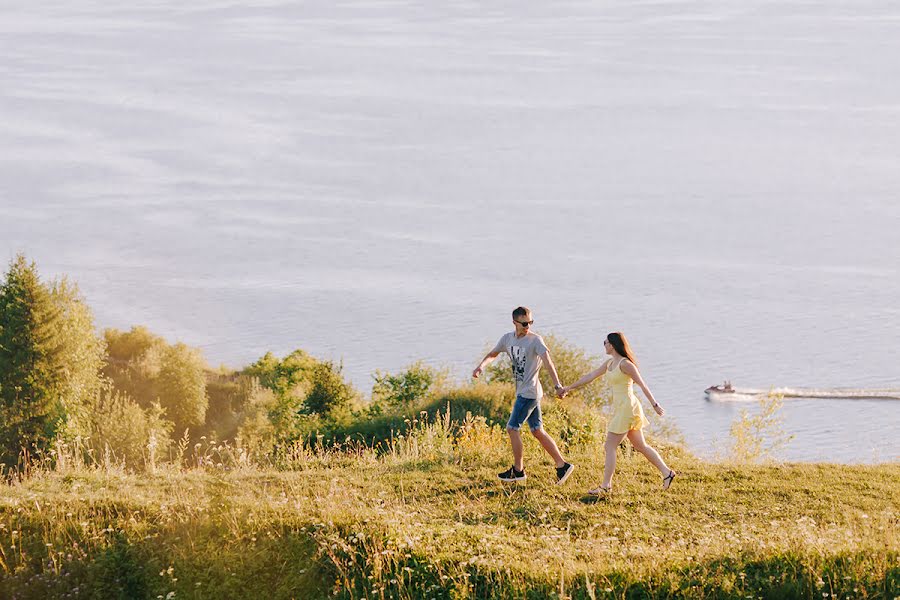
[381, 182]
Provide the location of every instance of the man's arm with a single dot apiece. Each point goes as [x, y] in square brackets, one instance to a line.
[488, 359]
[548, 362]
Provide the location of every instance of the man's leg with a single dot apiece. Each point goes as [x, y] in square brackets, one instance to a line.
[536, 424]
[515, 438]
[521, 410]
[549, 445]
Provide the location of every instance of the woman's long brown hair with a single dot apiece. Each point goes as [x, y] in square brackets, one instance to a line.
[618, 341]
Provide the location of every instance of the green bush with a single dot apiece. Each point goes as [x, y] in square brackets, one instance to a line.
[149, 370]
[490, 401]
[404, 389]
[117, 426]
[330, 396]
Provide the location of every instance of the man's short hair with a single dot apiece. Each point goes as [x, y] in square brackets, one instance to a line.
[521, 312]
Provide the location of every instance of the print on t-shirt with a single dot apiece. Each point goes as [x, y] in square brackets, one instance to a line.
[517, 354]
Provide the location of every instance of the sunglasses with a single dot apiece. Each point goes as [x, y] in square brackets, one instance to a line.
[524, 323]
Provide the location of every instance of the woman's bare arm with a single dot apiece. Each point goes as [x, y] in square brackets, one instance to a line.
[632, 371]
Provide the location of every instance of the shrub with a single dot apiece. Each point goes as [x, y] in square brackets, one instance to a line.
[402, 390]
[330, 396]
[149, 370]
[118, 426]
[758, 437]
[182, 386]
[290, 377]
[257, 432]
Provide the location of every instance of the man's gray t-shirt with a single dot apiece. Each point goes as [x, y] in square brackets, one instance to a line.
[525, 355]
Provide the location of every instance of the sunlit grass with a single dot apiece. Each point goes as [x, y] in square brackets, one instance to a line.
[425, 517]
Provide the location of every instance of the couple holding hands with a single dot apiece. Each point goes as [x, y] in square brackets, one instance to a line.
[528, 353]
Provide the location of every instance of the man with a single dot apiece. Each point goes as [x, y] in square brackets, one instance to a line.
[528, 353]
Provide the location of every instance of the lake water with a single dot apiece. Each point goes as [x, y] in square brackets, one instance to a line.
[383, 181]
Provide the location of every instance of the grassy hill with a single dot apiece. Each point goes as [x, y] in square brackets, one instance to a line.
[425, 517]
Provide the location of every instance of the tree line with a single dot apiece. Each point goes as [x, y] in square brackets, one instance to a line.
[131, 392]
[136, 397]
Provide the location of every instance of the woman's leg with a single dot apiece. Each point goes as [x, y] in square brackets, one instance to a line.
[612, 443]
[636, 437]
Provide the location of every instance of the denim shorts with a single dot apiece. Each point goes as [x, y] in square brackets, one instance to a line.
[525, 409]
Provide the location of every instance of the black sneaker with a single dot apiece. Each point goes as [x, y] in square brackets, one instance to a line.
[563, 472]
[512, 474]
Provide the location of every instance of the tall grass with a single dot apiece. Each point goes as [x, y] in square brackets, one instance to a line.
[423, 516]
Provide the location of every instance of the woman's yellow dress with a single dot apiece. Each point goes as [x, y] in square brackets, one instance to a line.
[627, 413]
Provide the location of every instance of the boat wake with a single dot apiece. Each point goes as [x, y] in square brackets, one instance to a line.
[736, 394]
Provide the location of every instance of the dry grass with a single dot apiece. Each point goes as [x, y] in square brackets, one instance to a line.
[427, 519]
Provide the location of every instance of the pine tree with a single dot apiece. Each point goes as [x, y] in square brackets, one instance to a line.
[30, 364]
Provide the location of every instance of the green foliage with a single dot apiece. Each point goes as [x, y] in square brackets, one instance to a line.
[257, 431]
[225, 402]
[118, 426]
[32, 355]
[404, 389]
[120, 572]
[291, 380]
[491, 402]
[182, 386]
[758, 437]
[135, 362]
[233, 398]
[289, 377]
[82, 356]
[150, 371]
[573, 424]
[330, 396]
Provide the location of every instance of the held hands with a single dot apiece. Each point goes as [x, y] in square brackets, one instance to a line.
[561, 391]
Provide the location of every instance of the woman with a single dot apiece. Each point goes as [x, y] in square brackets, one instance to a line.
[628, 416]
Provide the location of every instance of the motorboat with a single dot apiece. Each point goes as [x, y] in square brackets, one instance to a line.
[726, 392]
[724, 388]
